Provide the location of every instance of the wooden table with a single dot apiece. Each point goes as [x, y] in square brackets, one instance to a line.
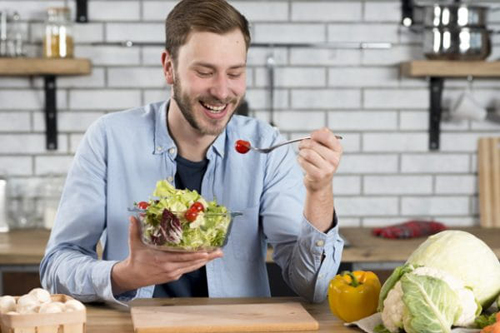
[26, 247]
[104, 319]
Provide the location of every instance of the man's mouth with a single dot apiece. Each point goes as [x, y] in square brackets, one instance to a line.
[215, 109]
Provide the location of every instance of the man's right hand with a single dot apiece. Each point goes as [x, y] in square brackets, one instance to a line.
[145, 266]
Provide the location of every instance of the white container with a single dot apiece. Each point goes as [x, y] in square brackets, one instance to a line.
[3, 206]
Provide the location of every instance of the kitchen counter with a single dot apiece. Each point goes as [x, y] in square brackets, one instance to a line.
[104, 319]
[26, 247]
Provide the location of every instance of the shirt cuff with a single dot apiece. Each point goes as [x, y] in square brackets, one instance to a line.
[104, 288]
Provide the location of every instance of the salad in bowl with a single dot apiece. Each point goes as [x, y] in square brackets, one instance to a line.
[182, 220]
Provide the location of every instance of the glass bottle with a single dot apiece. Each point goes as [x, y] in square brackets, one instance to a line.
[16, 37]
[51, 194]
[58, 40]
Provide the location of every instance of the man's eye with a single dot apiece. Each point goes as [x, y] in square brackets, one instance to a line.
[204, 74]
[234, 75]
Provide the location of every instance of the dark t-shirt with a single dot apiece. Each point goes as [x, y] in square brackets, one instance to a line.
[194, 284]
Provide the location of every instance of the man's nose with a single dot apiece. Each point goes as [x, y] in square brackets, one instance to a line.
[220, 87]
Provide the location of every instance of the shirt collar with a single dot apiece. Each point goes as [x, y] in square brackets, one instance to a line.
[162, 139]
[164, 142]
[219, 144]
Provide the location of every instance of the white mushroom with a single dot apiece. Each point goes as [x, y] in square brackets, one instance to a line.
[7, 303]
[50, 308]
[42, 295]
[60, 305]
[74, 305]
[27, 308]
[27, 300]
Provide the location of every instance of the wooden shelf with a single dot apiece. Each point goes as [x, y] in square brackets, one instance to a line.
[437, 71]
[49, 69]
[441, 68]
[42, 66]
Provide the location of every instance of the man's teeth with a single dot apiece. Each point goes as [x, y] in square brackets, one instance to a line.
[214, 109]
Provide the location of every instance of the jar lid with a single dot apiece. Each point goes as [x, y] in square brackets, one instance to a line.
[55, 10]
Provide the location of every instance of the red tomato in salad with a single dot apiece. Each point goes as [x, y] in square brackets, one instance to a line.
[191, 215]
[242, 146]
[143, 205]
[197, 206]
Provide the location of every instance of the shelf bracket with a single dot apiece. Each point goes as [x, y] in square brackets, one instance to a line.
[436, 92]
[50, 112]
[81, 11]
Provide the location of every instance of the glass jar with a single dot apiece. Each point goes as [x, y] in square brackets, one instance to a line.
[51, 193]
[58, 40]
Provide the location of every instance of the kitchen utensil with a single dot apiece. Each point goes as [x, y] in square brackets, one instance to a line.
[443, 43]
[445, 14]
[489, 181]
[270, 149]
[330, 45]
[223, 318]
[467, 107]
[456, 15]
[452, 31]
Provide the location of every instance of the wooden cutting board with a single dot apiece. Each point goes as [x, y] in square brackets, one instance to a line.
[488, 159]
[223, 318]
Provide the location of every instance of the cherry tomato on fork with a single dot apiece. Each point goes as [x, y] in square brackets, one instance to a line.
[242, 146]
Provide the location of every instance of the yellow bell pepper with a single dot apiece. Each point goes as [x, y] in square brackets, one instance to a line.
[354, 295]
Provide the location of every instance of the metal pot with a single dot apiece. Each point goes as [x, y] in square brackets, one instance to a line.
[456, 31]
[456, 44]
[455, 15]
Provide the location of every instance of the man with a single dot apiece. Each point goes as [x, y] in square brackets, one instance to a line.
[189, 141]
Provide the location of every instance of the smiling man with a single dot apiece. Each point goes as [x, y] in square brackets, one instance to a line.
[286, 200]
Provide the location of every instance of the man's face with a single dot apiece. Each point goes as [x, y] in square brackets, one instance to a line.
[209, 79]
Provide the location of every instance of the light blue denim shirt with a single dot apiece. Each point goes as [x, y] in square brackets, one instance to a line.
[119, 161]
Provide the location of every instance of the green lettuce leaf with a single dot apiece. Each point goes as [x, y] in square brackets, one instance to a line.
[431, 305]
[380, 328]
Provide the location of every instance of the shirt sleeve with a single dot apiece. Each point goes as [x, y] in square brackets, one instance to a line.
[71, 265]
[308, 258]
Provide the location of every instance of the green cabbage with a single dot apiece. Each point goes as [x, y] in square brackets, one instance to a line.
[446, 282]
[464, 256]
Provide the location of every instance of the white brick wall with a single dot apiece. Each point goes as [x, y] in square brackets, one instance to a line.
[387, 174]
[314, 11]
[360, 32]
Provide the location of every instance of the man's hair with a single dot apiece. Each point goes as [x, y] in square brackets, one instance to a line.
[216, 16]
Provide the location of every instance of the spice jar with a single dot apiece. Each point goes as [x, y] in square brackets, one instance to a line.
[58, 40]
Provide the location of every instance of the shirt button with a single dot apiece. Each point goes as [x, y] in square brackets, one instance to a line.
[159, 148]
[320, 243]
[320, 276]
[170, 179]
[171, 151]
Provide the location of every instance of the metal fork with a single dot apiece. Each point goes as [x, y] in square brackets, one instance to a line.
[270, 149]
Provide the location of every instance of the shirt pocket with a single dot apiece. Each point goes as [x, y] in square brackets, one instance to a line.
[245, 237]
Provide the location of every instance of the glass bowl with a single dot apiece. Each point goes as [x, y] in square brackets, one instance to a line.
[172, 232]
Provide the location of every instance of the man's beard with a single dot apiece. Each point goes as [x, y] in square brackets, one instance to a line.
[187, 108]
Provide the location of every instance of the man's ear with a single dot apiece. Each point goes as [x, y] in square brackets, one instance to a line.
[168, 67]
